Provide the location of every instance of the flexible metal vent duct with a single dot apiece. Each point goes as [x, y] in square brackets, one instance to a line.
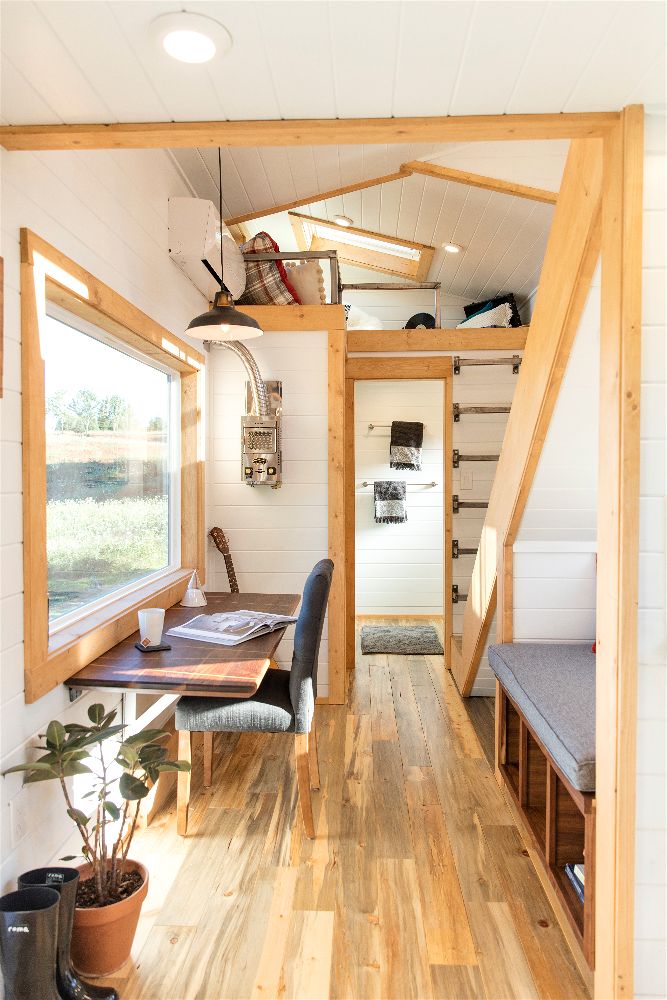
[259, 394]
[261, 458]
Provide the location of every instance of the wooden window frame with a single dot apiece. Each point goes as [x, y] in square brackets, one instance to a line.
[47, 275]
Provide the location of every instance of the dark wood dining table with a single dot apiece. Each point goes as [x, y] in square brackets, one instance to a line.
[192, 666]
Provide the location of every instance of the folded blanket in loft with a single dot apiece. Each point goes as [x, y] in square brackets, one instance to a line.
[405, 447]
[390, 505]
[500, 316]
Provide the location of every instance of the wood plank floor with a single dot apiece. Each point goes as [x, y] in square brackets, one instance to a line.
[417, 884]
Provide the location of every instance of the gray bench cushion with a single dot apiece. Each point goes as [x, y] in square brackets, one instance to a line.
[553, 684]
[268, 711]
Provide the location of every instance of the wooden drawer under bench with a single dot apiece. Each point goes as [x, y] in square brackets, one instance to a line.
[560, 817]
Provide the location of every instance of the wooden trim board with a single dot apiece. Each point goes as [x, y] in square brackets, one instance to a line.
[570, 260]
[438, 368]
[295, 319]
[386, 341]
[319, 196]
[47, 274]
[477, 180]
[314, 132]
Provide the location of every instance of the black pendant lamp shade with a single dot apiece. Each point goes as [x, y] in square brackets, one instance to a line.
[224, 322]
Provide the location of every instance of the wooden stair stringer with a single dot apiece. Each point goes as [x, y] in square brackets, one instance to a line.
[569, 264]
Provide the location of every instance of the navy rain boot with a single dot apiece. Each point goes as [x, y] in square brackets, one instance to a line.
[66, 881]
[28, 943]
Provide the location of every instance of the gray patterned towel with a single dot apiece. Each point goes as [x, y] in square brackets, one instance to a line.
[405, 449]
[390, 505]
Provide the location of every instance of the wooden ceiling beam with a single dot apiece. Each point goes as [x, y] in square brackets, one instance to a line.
[321, 196]
[307, 132]
[478, 180]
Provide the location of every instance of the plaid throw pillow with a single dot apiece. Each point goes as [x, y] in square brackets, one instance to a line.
[266, 283]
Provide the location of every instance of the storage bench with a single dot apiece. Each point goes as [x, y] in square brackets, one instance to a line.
[545, 753]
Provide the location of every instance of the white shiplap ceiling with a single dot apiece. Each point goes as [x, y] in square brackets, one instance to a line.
[256, 180]
[503, 238]
[96, 61]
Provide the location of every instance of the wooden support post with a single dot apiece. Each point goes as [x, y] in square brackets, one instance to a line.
[618, 543]
[336, 493]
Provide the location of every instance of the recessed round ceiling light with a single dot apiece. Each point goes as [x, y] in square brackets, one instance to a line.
[191, 38]
[343, 220]
[452, 248]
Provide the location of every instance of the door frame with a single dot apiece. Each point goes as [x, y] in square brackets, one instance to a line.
[432, 368]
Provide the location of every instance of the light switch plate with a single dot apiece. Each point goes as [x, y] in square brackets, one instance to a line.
[466, 479]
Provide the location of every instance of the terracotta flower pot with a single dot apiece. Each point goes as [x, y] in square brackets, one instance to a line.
[103, 935]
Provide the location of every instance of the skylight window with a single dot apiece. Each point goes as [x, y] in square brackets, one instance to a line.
[363, 248]
[356, 239]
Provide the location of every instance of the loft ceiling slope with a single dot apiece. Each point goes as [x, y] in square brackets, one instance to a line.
[424, 167]
[316, 131]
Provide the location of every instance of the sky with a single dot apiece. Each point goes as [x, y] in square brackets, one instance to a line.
[74, 361]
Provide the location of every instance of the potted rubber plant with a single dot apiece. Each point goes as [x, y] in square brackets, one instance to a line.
[112, 887]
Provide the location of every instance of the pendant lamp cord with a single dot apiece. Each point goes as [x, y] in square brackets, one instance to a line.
[222, 257]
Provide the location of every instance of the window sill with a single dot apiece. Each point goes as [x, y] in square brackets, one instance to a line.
[74, 647]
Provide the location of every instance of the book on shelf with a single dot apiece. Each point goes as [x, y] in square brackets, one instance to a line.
[230, 628]
[577, 885]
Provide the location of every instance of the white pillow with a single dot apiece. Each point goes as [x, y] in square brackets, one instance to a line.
[357, 319]
[307, 281]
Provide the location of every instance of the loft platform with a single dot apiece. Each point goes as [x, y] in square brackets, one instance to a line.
[489, 339]
[296, 319]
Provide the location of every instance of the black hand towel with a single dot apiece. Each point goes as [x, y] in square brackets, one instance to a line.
[390, 505]
[405, 450]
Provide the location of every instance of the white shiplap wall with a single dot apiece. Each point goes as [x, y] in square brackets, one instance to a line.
[399, 566]
[651, 846]
[106, 210]
[275, 536]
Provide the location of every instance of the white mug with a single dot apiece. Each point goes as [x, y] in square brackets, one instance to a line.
[151, 621]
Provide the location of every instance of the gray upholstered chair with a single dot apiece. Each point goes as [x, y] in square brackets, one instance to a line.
[283, 703]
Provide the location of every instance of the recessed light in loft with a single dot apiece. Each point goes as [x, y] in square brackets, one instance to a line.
[451, 247]
[343, 220]
[191, 38]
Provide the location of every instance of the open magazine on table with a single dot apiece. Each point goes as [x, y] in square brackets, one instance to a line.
[229, 628]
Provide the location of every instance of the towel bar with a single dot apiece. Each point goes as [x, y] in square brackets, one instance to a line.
[371, 482]
[372, 427]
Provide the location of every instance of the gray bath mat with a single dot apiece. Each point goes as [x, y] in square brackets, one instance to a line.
[405, 639]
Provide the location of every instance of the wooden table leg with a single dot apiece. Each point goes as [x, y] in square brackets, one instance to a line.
[303, 782]
[183, 786]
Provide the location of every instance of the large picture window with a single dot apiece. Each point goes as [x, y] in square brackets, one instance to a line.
[113, 465]
[111, 491]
